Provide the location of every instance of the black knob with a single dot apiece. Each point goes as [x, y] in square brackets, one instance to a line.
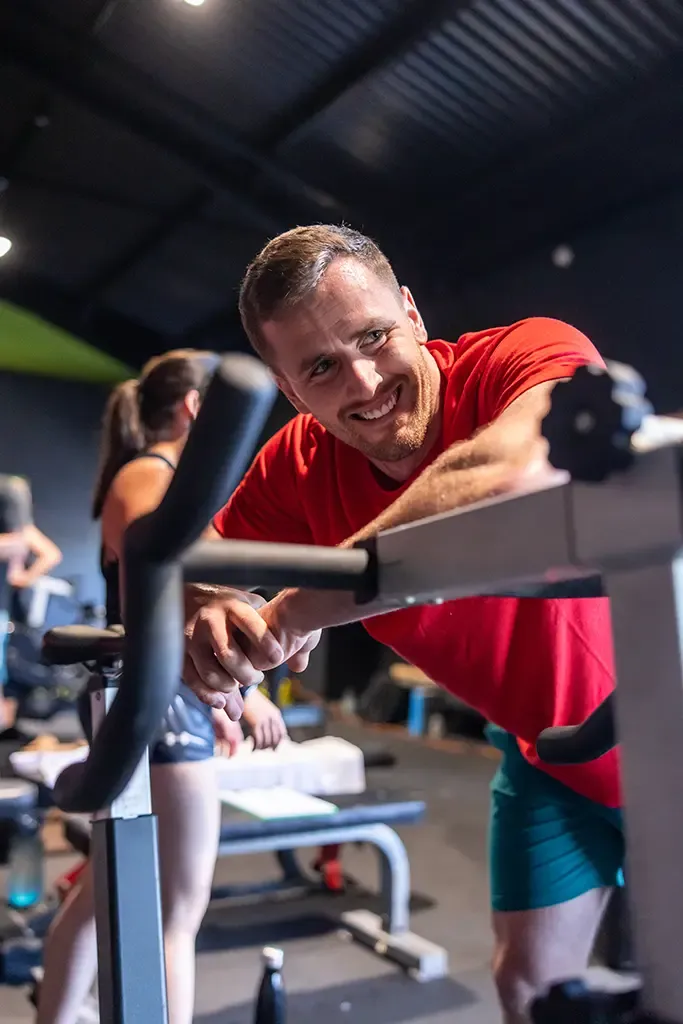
[592, 419]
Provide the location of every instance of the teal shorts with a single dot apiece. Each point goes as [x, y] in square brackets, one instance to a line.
[547, 844]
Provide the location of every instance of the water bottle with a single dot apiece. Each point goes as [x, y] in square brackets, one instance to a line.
[271, 999]
[25, 868]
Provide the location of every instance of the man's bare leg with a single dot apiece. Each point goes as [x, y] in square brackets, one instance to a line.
[534, 948]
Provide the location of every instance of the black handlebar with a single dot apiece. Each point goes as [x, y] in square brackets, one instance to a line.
[577, 744]
[220, 445]
[255, 565]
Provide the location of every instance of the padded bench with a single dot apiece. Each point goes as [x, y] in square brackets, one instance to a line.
[360, 819]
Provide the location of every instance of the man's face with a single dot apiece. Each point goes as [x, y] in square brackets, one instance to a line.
[353, 355]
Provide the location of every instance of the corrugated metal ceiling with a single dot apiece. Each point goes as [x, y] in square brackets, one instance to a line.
[179, 137]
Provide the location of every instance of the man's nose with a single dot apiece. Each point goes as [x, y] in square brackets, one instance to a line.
[364, 378]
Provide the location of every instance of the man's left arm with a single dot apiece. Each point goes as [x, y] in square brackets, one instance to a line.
[496, 460]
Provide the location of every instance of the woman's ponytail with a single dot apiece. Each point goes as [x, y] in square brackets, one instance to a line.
[122, 438]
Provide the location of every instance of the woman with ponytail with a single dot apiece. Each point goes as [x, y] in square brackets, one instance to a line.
[146, 425]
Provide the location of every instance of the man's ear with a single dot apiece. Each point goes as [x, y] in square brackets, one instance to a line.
[414, 316]
[290, 394]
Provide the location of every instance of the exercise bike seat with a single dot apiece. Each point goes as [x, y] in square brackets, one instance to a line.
[70, 645]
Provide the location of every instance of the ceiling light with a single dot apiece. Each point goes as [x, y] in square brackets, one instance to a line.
[563, 256]
[194, 3]
[5, 245]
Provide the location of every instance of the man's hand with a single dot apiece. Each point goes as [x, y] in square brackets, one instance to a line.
[264, 720]
[296, 644]
[217, 636]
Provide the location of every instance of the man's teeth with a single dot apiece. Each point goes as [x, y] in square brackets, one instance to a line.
[375, 414]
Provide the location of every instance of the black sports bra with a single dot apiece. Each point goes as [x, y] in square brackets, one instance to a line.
[110, 570]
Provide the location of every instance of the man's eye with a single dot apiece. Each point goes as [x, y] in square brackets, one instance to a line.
[375, 337]
[321, 367]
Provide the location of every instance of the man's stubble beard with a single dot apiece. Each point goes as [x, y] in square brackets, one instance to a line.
[411, 435]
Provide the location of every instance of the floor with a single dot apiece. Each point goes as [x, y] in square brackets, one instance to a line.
[336, 981]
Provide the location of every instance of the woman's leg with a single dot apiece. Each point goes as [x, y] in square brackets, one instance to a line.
[185, 798]
[69, 957]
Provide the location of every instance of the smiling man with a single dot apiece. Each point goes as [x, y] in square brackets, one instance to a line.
[393, 427]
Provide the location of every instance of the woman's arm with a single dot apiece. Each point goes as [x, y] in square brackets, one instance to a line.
[47, 556]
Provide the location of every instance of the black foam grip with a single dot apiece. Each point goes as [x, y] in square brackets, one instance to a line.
[218, 451]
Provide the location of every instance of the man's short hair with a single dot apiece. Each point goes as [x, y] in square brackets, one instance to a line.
[292, 265]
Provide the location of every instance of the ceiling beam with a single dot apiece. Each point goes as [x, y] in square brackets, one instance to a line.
[89, 193]
[127, 96]
[386, 44]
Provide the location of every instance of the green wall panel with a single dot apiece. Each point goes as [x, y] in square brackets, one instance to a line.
[30, 345]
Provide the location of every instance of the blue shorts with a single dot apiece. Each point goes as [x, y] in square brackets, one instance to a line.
[186, 733]
[547, 844]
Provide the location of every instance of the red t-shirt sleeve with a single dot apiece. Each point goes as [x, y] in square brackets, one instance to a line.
[266, 505]
[531, 352]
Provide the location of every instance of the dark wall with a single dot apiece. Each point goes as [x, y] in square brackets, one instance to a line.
[623, 290]
[49, 433]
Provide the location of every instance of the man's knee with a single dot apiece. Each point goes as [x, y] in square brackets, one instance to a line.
[515, 984]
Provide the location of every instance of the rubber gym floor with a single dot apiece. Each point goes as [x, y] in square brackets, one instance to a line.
[337, 982]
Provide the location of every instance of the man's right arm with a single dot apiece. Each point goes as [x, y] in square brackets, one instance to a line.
[264, 507]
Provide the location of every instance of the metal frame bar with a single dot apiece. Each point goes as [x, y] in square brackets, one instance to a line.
[647, 621]
[394, 864]
[124, 853]
[630, 529]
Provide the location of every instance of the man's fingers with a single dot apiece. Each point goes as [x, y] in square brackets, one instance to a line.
[209, 696]
[255, 600]
[264, 650]
[216, 655]
[234, 705]
[299, 661]
[311, 641]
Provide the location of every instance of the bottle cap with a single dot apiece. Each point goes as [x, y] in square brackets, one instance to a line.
[273, 957]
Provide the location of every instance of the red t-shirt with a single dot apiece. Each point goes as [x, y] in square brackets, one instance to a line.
[525, 664]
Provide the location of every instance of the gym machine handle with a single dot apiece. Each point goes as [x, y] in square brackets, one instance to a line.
[577, 744]
[261, 565]
[216, 455]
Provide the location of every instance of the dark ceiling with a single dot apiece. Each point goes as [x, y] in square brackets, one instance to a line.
[150, 147]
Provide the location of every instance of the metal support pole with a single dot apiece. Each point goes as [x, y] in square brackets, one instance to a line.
[125, 863]
[647, 616]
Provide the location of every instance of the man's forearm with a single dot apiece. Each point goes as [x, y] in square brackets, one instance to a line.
[440, 488]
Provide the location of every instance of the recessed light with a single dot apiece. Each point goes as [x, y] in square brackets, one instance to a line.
[194, 3]
[563, 256]
[5, 245]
